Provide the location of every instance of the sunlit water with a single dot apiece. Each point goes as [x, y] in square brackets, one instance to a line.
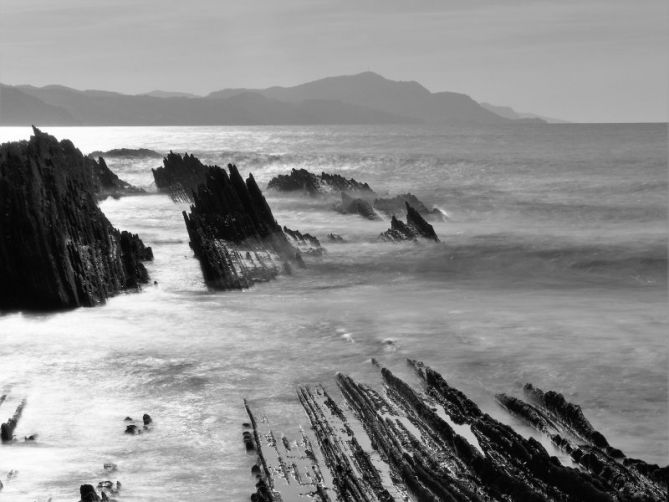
[552, 270]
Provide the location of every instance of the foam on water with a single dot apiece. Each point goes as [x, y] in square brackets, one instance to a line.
[551, 270]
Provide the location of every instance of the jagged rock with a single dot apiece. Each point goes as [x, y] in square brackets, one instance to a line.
[132, 429]
[335, 238]
[397, 204]
[435, 445]
[233, 232]
[7, 428]
[305, 181]
[180, 176]
[360, 206]
[57, 249]
[307, 244]
[106, 183]
[415, 227]
[127, 153]
[88, 494]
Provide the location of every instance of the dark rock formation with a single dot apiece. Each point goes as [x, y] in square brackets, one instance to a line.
[7, 428]
[234, 234]
[127, 153]
[415, 227]
[57, 249]
[305, 181]
[360, 206]
[88, 494]
[435, 445]
[335, 238]
[397, 204]
[146, 418]
[306, 244]
[180, 176]
[106, 183]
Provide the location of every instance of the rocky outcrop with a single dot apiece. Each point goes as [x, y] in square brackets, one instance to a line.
[106, 183]
[416, 227]
[301, 180]
[397, 204]
[432, 443]
[350, 205]
[7, 428]
[127, 153]
[57, 248]
[233, 232]
[306, 244]
[180, 176]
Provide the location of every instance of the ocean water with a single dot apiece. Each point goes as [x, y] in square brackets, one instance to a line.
[552, 269]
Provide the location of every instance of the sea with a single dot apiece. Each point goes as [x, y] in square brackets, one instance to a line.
[552, 269]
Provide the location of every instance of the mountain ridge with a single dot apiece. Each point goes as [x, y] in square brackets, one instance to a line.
[364, 98]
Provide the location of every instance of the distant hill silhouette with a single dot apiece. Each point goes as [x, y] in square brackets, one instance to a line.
[18, 108]
[407, 99]
[510, 113]
[366, 98]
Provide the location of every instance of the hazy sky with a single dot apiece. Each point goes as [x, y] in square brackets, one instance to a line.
[583, 60]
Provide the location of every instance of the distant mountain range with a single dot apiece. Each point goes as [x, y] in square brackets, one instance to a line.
[366, 98]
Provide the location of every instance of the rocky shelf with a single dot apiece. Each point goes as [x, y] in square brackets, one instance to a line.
[233, 232]
[416, 227]
[430, 442]
[301, 180]
[57, 248]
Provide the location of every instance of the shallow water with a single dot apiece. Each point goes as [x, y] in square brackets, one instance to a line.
[552, 270]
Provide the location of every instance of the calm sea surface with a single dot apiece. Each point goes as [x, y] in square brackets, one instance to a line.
[552, 270]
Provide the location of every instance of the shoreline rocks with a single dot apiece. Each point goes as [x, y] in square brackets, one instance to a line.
[415, 227]
[233, 232]
[434, 443]
[180, 176]
[57, 248]
[301, 180]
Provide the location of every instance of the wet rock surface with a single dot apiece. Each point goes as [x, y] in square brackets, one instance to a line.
[180, 176]
[433, 443]
[127, 153]
[307, 244]
[233, 232]
[301, 180]
[416, 227]
[57, 248]
[397, 205]
[351, 205]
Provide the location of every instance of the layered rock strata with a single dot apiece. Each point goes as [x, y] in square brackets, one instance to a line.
[433, 443]
[415, 227]
[57, 248]
[233, 232]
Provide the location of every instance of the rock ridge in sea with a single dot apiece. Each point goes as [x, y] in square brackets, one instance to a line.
[315, 185]
[415, 227]
[180, 176]
[57, 248]
[431, 442]
[233, 232]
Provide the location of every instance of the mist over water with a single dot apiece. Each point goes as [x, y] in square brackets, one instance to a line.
[552, 269]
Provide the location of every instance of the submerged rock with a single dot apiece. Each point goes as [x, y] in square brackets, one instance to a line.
[415, 227]
[307, 244]
[363, 207]
[301, 180]
[233, 232]
[106, 183]
[57, 248]
[397, 204]
[127, 153]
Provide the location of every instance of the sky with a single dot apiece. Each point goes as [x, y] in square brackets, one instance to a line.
[580, 60]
